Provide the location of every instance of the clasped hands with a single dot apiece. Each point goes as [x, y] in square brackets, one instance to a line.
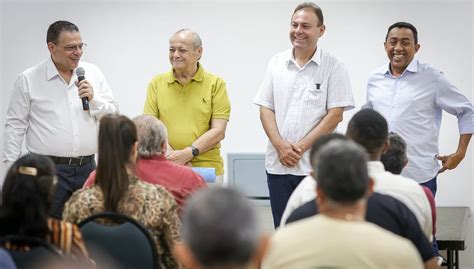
[289, 153]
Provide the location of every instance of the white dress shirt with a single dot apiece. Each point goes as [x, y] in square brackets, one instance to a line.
[413, 104]
[49, 111]
[401, 188]
[300, 98]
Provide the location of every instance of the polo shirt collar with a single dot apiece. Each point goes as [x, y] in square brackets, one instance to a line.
[170, 78]
[316, 57]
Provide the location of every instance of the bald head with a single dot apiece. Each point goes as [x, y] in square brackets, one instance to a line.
[189, 35]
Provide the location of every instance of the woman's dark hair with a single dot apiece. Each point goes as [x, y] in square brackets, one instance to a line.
[117, 135]
[26, 197]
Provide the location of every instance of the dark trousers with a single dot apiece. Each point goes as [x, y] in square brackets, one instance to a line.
[433, 186]
[70, 179]
[281, 187]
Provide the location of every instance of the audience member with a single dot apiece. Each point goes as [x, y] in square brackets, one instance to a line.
[26, 206]
[153, 166]
[383, 210]
[118, 189]
[394, 159]
[340, 237]
[6, 261]
[221, 230]
[304, 192]
[368, 128]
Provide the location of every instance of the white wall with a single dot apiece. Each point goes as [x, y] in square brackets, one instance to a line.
[128, 41]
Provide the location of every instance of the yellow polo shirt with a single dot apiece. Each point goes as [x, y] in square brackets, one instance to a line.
[187, 111]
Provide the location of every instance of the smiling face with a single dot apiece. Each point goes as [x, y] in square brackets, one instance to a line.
[305, 30]
[66, 51]
[183, 53]
[401, 49]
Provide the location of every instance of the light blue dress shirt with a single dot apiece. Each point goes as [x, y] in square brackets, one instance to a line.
[413, 104]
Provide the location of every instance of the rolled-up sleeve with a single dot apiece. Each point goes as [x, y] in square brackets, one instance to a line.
[451, 100]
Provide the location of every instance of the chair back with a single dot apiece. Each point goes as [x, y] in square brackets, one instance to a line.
[27, 252]
[120, 238]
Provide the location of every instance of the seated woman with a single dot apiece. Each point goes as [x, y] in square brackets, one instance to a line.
[117, 189]
[26, 204]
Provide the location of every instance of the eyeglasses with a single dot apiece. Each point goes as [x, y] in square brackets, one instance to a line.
[73, 48]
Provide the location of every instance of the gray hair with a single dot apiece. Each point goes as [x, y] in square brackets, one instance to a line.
[342, 171]
[396, 156]
[221, 228]
[151, 135]
[197, 42]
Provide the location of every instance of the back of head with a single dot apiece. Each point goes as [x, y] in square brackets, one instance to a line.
[151, 135]
[117, 136]
[395, 158]
[320, 142]
[26, 196]
[342, 171]
[368, 128]
[56, 28]
[221, 228]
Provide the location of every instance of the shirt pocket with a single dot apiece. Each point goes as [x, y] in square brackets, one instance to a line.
[316, 93]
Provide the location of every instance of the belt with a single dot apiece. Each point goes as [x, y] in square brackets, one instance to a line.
[73, 161]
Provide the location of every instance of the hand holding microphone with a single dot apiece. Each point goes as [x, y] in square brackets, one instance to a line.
[85, 89]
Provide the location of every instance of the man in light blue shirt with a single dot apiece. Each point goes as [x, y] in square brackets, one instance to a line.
[412, 97]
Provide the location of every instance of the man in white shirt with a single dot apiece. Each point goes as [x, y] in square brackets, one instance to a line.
[302, 97]
[47, 111]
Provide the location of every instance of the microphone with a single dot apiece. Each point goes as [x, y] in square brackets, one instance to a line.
[80, 72]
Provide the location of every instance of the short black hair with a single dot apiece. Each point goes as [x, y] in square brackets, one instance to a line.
[342, 171]
[56, 28]
[313, 7]
[368, 128]
[320, 142]
[396, 156]
[403, 25]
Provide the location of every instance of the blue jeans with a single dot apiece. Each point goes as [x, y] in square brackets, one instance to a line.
[70, 179]
[281, 187]
[433, 186]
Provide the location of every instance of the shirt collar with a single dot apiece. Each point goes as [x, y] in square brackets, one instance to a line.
[375, 167]
[412, 67]
[170, 78]
[52, 70]
[316, 57]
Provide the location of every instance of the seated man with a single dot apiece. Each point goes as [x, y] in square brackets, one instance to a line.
[152, 165]
[383, 210]
[394, 160]
[369, 128]
[340, 237]
[220, 230]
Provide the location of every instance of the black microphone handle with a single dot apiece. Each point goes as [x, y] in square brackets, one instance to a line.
[85, 101]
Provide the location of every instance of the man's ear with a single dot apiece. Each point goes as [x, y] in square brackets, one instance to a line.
[184, 256]
[261, 250]
[386, 146]
[370, 187]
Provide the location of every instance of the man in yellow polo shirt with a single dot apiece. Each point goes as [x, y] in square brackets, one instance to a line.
[192, 103]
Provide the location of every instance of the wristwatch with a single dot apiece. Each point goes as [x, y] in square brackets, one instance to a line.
[194, 150]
